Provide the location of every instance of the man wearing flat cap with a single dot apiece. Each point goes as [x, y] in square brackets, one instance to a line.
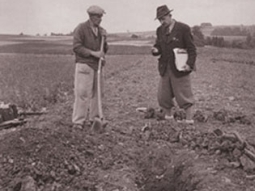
[87, 39]
[174, 83]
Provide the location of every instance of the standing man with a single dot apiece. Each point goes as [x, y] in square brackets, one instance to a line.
[87, 38]
[174, 83]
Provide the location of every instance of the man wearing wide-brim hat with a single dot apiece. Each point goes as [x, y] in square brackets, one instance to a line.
[174, 83]
[87, 39]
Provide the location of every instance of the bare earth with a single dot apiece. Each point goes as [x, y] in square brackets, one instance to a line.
[134, 153]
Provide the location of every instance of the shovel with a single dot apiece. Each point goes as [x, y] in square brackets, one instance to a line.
[99, 123]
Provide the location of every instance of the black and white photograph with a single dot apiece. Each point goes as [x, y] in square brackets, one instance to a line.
[117, 95]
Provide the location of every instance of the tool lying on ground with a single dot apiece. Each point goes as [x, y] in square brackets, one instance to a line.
[12, 123]
[99, 123]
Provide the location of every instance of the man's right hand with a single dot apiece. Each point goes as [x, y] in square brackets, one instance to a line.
[98, 54]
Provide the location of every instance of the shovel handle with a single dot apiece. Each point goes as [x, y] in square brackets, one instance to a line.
[99, 92]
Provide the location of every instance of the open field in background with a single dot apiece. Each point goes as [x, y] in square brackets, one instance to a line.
[46, 64]
[38, 74]
[63, 45]
[35, 81]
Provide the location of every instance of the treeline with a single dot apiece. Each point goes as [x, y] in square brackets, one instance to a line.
[218, 41]
[230, 31]
[61, 34]
[246, 41]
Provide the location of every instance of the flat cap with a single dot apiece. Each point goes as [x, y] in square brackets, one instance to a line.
[95, 10]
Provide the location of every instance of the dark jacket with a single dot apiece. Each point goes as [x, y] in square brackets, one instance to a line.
[84, 39]
[180, 37]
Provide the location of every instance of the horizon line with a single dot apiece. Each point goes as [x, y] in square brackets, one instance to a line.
[121, 32]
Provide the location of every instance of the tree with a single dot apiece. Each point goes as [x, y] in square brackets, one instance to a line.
[197, 32]
[208, 41]
[229, 31]
[220, 42]
[206, 25]
[248, 39]
[198, 36]
[134, 36]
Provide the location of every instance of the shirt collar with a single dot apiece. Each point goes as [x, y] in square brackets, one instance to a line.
[94, 29]
[172, 26]
[91, 24]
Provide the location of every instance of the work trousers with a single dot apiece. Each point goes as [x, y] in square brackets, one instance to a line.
[171, 87]
[85, 92]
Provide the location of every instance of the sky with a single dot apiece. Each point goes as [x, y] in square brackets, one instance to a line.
[62, 16]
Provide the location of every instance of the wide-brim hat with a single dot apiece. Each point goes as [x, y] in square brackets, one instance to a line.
[95, 10]
[162, 11]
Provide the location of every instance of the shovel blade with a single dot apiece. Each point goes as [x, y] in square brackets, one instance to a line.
[99, 125]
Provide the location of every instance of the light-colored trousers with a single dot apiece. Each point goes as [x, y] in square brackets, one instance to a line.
[85, 92]
[172, 87]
